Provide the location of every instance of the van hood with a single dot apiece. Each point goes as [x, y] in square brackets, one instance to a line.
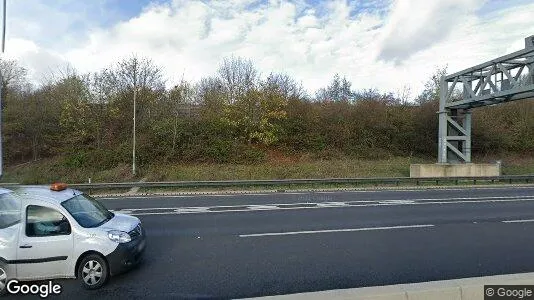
[121, 222]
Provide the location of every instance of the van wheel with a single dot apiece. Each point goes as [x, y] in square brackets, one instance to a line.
[3, 280]
[93, 272]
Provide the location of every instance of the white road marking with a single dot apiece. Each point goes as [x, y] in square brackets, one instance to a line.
[430, 188]
[310, 205]
[192, 210]
[397, 202]
[126, 197]
[382, 200]
[270, 193]
[123, 211]
[262, 207]
[334, 230]
[518, 221]
[465, 198]
[332, 204]
[222, 211]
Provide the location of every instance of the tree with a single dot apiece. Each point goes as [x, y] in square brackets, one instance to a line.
[182, 100]
[138, 79]
[286, 86]
[432, 87]
[211, 97]
[72, 95]
[238, 76]
[339, 90]
[14, 78]
[101, 91]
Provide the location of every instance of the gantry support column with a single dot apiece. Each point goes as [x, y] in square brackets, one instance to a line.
[454, 137]
[442, 132]
[529, 44]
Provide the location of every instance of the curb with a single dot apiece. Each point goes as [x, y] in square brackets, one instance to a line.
[457, 289]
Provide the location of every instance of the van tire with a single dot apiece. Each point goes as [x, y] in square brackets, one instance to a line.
[3, 279]
[93, 272]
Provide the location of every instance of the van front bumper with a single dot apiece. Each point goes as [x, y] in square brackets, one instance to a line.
[126, 256]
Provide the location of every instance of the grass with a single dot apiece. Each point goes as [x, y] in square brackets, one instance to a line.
[50, 170]
[336, 168]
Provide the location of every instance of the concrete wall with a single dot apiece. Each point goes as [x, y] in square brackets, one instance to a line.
[454, 170]
[458, 289]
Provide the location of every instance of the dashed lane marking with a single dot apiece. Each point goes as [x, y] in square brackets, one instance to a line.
[334, 230]
[518, 221]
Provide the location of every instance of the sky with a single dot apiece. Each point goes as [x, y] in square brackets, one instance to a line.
[388, 45]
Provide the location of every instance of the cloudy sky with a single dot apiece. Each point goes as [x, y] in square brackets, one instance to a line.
[382, 44]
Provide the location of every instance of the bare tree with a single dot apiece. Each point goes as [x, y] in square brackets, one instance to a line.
[57, 73]
[182, 98]
[285, 85]
[13, 77]
[138, 73]
[432, 86]
[238, 76]
[404, 94]
[338, 90]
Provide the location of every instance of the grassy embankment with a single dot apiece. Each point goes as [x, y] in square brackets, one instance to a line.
[49, 170]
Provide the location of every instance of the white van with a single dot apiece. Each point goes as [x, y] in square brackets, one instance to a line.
[57, 232]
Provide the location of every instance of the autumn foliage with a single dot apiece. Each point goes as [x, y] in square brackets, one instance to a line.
[233, 116]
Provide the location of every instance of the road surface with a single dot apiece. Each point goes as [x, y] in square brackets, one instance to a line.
[234, 246]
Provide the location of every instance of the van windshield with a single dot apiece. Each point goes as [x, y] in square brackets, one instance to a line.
[88, 212]
[9, 210]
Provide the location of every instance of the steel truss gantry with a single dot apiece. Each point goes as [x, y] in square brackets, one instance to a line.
[507, 78]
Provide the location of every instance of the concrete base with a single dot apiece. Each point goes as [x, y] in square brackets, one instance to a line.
[454, 170]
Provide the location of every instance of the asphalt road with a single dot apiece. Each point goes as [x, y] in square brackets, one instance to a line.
[234, 246]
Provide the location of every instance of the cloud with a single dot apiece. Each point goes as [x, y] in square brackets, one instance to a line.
[194, 36]
[415, 25]
[380, 44]
[52, 24]
[39, 62]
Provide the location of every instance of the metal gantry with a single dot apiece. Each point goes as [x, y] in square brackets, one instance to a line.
[507, 78]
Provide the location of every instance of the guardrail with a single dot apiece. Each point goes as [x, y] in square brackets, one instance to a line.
[397, 181]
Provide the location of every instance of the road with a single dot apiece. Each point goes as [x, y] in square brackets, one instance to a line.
[234, 246]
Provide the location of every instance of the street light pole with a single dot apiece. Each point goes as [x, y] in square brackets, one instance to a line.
[1, 83]
[134, 113]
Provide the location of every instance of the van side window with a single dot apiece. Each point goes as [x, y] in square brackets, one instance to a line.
[44, 221]
[9, 210]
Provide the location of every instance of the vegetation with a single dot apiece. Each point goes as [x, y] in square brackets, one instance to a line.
[233, 124]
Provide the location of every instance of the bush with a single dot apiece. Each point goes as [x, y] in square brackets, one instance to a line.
[249, 154]
[76, 160]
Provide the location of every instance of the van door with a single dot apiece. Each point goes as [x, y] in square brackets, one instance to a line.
[10, 224]
[45, 244]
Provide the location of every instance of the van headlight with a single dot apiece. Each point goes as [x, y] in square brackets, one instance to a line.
[119, 236]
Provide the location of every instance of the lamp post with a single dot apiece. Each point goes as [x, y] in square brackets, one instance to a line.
[134, 113]
[1, 83]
